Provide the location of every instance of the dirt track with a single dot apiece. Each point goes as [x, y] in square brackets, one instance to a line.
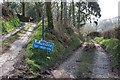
[69, 68]
[100, 68]
[8, 59]
[101, 64]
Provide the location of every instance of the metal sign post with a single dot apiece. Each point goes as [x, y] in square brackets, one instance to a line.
[43, 35]
[42, 44]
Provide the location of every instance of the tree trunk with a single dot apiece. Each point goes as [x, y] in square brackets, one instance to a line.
[70, 10]
[61, 12]
[118, 32]
[78, 19]
[57, 12]
[49, 16]
[65, 14]
[23, 9]
[73, 13]
[39, 8]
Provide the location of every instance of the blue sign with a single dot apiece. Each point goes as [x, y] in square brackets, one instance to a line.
[41, 44]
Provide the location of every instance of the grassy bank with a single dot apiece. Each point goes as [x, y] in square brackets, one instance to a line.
[9, 25]
[36, 59]
[112, 46]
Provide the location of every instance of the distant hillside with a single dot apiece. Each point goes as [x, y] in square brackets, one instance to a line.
[108, 24]
[104, 25]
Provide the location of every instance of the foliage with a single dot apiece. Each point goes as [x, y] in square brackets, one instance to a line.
[95, 9]
[91, 8]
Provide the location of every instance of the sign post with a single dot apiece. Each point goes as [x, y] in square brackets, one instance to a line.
[43, 35]
[42, 44]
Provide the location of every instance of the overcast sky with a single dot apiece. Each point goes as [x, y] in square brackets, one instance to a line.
[109, 8]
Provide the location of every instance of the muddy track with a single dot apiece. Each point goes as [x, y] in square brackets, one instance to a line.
[8, 59]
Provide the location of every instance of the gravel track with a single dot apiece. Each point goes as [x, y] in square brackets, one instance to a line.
[101, 64]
